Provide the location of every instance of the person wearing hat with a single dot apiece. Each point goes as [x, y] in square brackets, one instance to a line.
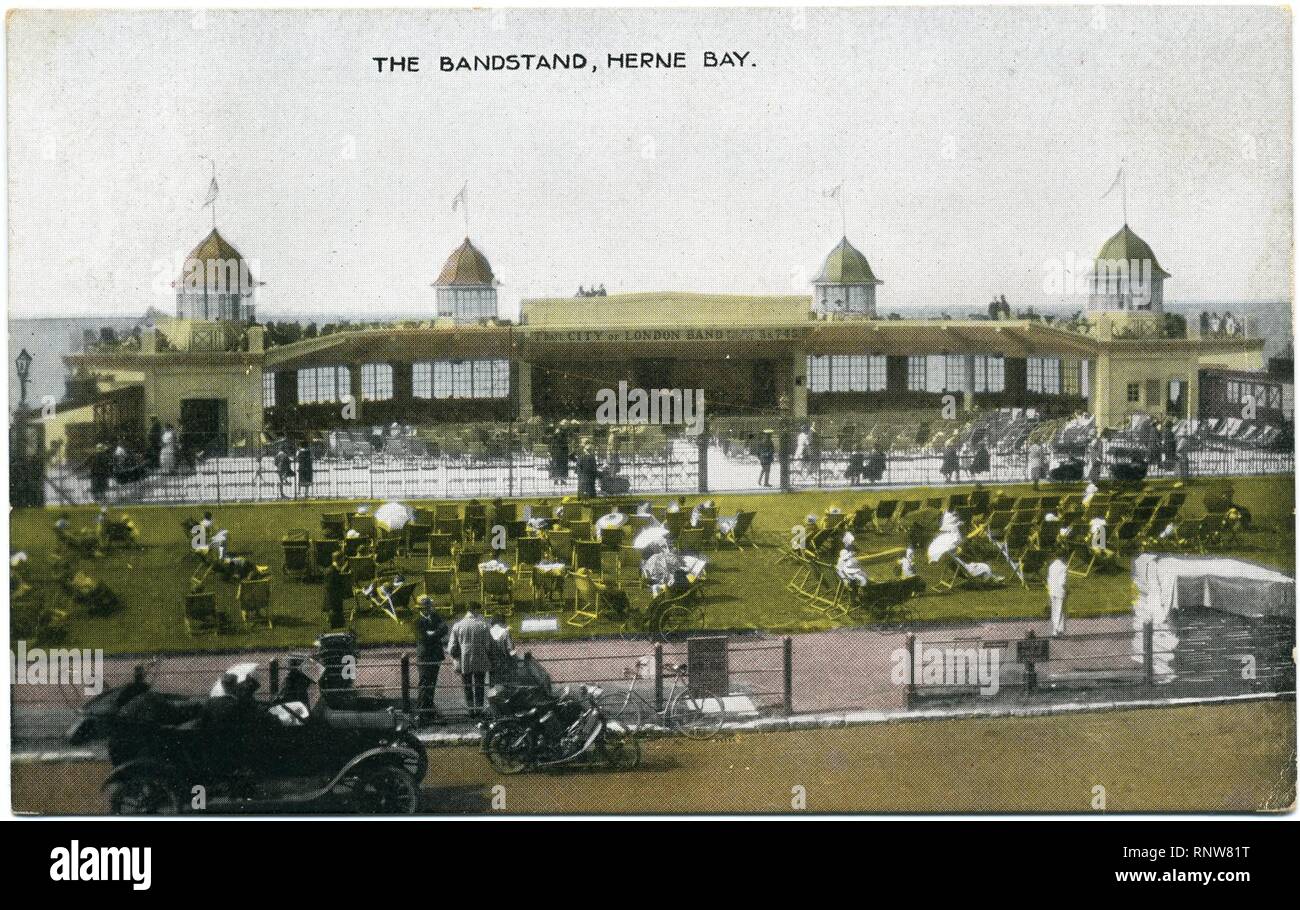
[338, 588]
[430, 651]
[766, 455]
[588, 470]
[101, 468]
[951, 465]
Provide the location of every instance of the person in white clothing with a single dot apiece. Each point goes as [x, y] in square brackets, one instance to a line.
[848, 568]
[1056, 579]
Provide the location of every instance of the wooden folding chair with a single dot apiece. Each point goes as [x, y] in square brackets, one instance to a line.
[586, 599]
[254, 599]
[497, 588]
[441, 583]
[201, 612]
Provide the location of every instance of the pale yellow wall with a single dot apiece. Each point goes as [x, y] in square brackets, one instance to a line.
[1114, 372]
[240, 385]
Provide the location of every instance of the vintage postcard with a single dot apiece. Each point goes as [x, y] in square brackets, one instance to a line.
[702, 411]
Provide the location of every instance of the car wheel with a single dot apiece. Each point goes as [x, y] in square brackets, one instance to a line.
[143, 795]
[384, 788]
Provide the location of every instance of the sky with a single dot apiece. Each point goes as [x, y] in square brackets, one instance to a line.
[973, 146]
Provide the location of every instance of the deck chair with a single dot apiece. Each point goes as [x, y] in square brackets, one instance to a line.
[883, 518]
[529, 551]
[386, 549]
[333, 524]
[581, 528]
[446, 511]
[708, 528]
[1126, 538]
[587, 592]
[440, 583]
[587, 555]
[364, 572]
[676, 522]
[441, 548]
[828, 594]
[497, 588]
[254, 599]
[363, 525]
[629, 564]
[799, 581]
[691, 540]
[387, 601]
[201, 612]
[1089, 557]
[322, 552]
[467, 567]
[474, 524]
[905, 508]
[449, 526]
[417, 539]
[560, 541]
[296, 559]
[739, 535]
[955, 572]
[424, 516]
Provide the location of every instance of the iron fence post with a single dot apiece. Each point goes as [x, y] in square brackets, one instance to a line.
[911, 666]
[273, 672]
[1031, 671]
[406, 683]
[702, 454]
[788, 671]
[1148, 652]
[659, 677]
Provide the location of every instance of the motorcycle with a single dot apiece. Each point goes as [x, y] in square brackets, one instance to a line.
[534, 730]
[232, 751]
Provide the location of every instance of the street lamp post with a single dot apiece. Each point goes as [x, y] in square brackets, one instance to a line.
[24, 366]
[26, 446]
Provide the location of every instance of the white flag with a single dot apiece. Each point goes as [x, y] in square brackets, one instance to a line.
[212, 193]
[462, 198]
[1119, 178]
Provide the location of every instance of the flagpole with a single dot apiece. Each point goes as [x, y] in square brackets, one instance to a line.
[212, 184]
[1123, 193]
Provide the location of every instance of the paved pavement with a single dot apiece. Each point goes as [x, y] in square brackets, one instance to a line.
[238, 478]
[846, 669]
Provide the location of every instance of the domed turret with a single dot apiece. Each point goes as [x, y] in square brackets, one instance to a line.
[846, 283]
[466, 286]
[216, 283]
[1127, 276]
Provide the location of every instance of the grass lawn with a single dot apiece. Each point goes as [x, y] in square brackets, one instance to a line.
[746, 591]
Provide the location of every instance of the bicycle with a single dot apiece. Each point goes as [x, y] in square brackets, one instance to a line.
[691, 710]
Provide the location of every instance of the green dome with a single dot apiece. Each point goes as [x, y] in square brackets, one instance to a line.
[845, 265]
[1129, 247]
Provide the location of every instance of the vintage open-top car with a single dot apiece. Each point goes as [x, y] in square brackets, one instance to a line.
[234, 751]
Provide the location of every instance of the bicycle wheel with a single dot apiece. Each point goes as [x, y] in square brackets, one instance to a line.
[623, 707]
[697, 713]
[677, 622]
